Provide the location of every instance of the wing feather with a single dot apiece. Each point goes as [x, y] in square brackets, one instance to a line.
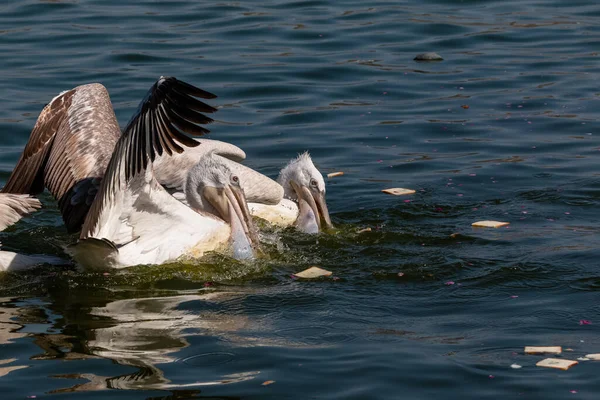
[258, 188]
[14, 206]
[27, 176]
[151, 124]
[182, 97]
[185, 126]
[171, 171]
[193, 116]
[68, 151]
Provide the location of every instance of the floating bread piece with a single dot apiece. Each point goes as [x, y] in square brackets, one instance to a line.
[334, 174]
[313, 272]
[267, 383]
[595, 357]
[557, 363]
[364, 230]
[543, 349]
[398, 191]
[489, 224]
[431, 56]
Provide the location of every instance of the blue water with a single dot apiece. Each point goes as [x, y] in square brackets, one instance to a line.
[504, 128]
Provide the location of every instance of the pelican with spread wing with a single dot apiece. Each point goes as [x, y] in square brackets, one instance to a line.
[106, 186]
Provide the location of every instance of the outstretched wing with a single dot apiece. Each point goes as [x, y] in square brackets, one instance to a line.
[14, 206]
[258, 188]
[171, 171]
[169, 111]
[68, 151]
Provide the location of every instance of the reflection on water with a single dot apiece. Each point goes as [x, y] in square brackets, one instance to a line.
[8, 333]
[148, 331]
[146, 334]
[142, 333]
[9, 328]
[9, 369]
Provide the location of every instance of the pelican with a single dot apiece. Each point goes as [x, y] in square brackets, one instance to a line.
[106, 186]
[303, 204]
[13, 207]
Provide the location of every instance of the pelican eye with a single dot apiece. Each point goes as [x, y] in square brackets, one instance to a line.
[313, 183]
[235, 179]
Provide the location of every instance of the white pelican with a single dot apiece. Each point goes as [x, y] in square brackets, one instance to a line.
[303, 204]
[105, 184]
[13, 207]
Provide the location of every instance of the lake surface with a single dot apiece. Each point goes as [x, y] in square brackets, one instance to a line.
[505, 128]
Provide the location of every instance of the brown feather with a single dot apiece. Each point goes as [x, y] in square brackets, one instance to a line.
[27, 176]
[71, 142]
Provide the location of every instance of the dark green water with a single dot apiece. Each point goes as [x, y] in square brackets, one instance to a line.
[338, 79]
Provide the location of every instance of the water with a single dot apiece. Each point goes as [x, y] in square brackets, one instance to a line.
[504, 128]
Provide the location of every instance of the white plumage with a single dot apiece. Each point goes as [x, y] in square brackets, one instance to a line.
[303, 204]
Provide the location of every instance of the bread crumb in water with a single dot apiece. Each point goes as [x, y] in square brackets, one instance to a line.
[313, 272]
[398, 191]
[489, 224]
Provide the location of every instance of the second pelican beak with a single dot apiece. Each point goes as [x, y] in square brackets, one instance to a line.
[313, 210]
[230, 203]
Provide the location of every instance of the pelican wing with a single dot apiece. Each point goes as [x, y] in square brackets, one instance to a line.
[258, 188]
[14, 206]
[165, 116]
[68, 151]
[171, 171]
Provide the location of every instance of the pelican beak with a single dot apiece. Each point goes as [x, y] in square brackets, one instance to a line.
[230, 203]
[322, 206]
[313, 209]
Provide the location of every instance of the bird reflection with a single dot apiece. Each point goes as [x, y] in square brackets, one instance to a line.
[148, 334]
[145, 333]
[9, 331]
[9, 328]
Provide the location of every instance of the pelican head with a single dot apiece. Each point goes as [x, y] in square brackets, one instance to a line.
[211, 187]
[303, 183]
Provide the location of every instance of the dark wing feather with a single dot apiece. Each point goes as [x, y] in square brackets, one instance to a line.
[160, 124]
[68, 151]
